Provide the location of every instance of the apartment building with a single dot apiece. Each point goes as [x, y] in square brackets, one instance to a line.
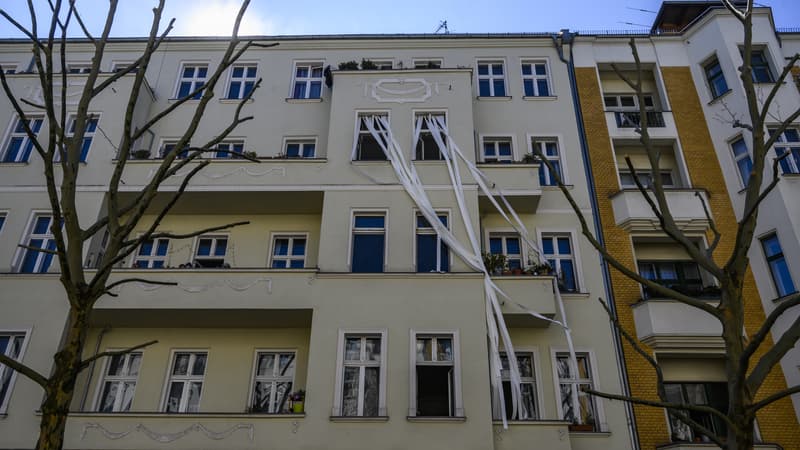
[339, 286]
[693, 96]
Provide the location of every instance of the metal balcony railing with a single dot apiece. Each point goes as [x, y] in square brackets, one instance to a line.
[632, 119]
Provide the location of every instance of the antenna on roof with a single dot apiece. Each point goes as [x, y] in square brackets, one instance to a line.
[634, 24]
[442, 26]
[642, 10]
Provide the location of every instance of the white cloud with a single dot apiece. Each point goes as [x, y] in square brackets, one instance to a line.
[216, 18]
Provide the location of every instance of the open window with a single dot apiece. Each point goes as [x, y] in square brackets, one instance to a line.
[367, 147]
[210, 252]
[669, 265]
[436, 376]
[426, 148]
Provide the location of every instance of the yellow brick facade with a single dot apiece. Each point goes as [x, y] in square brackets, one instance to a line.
[777, 423]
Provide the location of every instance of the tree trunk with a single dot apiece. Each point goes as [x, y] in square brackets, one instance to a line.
[61, 384]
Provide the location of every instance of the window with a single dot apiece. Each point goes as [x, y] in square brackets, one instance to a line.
[211, 251]
[193, 77]
[788, 142]
[432, 253]
[715, 78]
[535, 80]
[629, 102]
[168, 146]
[777, 265]
[714, 395]
[119, 382]
[185, 384]
[491, 79]
[39, 236]
[79, 68]
[362, 372]
[497, 149]
[367, 147]
[759, 67]
[229, 149]
[152, 254]
[574, 403]
[88, 135]
[369, 235]
[557, 250]
[301, 148]
[243, 78]
[383, 64]
[426, 147]
[307, 80]
[273, 381]
[741, 157]
[507, 244]
[646, 178]
[11, 345]
[528, 402]
[289, 252]
[2, 220]
[18, 145]
[121, 66]
[682, 276]
[435, 379]
[427, 63]
[549, 148]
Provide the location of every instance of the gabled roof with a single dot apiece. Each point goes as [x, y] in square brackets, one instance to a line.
[675, 16]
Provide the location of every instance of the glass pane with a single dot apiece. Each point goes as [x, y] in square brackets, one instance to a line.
[583, 367]
[526, 69]
[316, 71]
[512, 246]
[373, 349]
[282, 392]
[525, 363]
[188, 72]
[350, 391]
[233, 91]
[221, 248]
[567, 274]
[497, 69]
[782, 276]
[586, 407]
[108, 397]
[499, 88]
[369, 221]
[195, 389]
[299, 247]
[483, 69]
[266, 364]
[352, 349]
[42, 225]
[199, 364]
[128, 389]
[135, 361]
[296, 264]
[299, 90]
[371, 390]
[281, 247]
[368, 256]
[251, 72]
[483, 88]
[772, 246]
[547, 245]
[174, 397]
[309, 150]
[564, 246]
[496, 245]
[424, 349]
[541, 69]
[444, 349]
[563, 367]
[528, 401]
[315, 90]
[181, 366]
[202, 72]
[286, 361]
[544, 89]
[504, 148]
[238, 72]
[292, 150]
[115, 364]
[204, 247]
[261, 396]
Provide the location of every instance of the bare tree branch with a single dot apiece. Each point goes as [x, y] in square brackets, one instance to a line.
[29, 33]
[776, 177]
[774, 398]
[80, 22]
[773, 356]
[762, 333]
[712, 224]
[787, 69]
[33, 375]
[189, 235]
[85, 363]
[38, 249]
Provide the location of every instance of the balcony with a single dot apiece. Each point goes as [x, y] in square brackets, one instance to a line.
[664, 323]
[518, 182]
[633, 119]
[693, 446]
[633, 213]
[625, 124]
[534, 293]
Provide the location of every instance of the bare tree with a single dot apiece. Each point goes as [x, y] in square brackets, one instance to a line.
[122, 215]
[747, 364]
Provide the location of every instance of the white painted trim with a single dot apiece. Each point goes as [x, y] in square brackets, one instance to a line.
[373, 212]
[181, 65]
[101, 378]
[306, 61]
[576, 253]
[26, 332]
[515, 156]
[271, 245]
[337, 393]
[250, 390]
[165, 391]
[490, 60]
[549, 75]
[458, 410]
[559, 138]
[601, 417]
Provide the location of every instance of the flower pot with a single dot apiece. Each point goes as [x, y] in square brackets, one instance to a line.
[297, 407]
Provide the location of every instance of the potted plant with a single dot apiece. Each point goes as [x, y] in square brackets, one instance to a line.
[541, 269]
[494, 262]
[348, 65]
[251, 154]
[298, 399]
[367, 64]
[142, 153]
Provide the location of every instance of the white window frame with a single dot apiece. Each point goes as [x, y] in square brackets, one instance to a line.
[576, 256]
[119, 66]
[307, 80]
[254, 377]
[194, 79]
[119, 379]
[789, 160]
[9, 67]
[19, 256]
[152, 257]
[537, 383]
[79, 68]
[368, 212]
[302, 141]
[69, 132]
[164, 143]
[383, 63]
[215, 237]
[491, 77]
[505, 233]
[559, 140]
[357, 131]
[736, 159]
[635, 108]
[642, 172]
[458, 410]
[534, 77]
[291, 235]
[416, 62]
[340, 365]
[3, 220]
[430, 231]
[495, 138]
[186, 379]
[11, 134]
[243, 79]
[425, 112]
[595, 381]
[26, 333]
[230, 155]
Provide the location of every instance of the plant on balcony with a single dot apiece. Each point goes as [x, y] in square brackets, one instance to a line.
[251, 154]
[348, 65]
[529, 158]
[495, 262]
[298, 401]
[540, 269]
[367, 64]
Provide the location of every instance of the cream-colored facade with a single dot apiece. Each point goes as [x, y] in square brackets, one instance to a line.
[228, 323]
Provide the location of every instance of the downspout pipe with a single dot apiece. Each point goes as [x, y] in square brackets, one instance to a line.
[567, 37]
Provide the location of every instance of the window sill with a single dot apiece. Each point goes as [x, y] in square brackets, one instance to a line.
[495, 98]
[589, 434]
[540, 97]
[569, 295]
[369, 162]
[359, 418]
[719, 97]
[436, 419]
[303, 100]
[235, 100]
[780, 299]
[532, 422]
[14, 163]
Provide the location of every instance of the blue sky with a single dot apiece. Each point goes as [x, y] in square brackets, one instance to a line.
[215, 17]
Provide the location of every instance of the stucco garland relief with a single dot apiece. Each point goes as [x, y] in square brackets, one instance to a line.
[35, 95]
[401, 90]
[196, 288]
[281, 171]
[166, 438]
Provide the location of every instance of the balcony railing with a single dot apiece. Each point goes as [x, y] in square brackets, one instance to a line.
[632, 119]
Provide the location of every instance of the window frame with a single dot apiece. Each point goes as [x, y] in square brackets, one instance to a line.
[768, 259]
[766, 63]
[640, 173]
[3, 219]
[576, 254]
[310, 63]
[558, 139]
[12, 134]
[669, 416]
[338, 396]
[357, 133]
[228, 154]
[351, 242]
[26, 333]
[425, 112]
[737, 158]
[243, 80]
[186, 379]
[193, 80]
[381, 63]
[273, 236]
[427, 61]
[791, 162]
[150, 259]
[427, 231]
[90, 135]
[539, 404]
[119, 66]
[254, 377]
[496, 138]
[215, 237]
[534, 77]
[20, 254]
[104, 378]
[708, 64]
[457, 401]
[504, 234]
[302, 141]
[166, 141]
[491, 77]
[79, 68]
[595, 382]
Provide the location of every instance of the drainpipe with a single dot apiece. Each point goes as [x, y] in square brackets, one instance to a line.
[567, 37]
[91, 367]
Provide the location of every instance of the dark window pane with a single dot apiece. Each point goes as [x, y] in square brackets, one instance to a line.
[370, 221]
[368, 253]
